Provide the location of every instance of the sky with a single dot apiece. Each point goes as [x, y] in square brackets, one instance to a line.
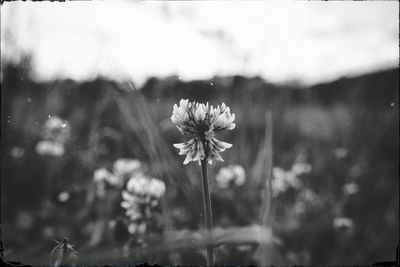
[281, 41]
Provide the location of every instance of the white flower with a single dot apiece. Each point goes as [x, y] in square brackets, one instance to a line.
[126, 167]
[283, 180]
[135, 228]
[343, 223]
[231, 174]
[141, 191]
[202, 121]
[351, 189]
[50, 148]
[103, 175]
[156, 188]
[63, 196]
[145, 187]
[301, 168]
[131, 205]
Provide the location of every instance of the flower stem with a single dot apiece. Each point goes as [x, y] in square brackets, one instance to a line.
[207, 210]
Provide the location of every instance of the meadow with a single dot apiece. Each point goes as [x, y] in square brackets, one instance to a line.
[311, 179]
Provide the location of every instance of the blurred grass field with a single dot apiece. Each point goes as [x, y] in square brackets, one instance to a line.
[346, 130]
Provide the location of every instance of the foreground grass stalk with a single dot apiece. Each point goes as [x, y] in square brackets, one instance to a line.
[207, 210]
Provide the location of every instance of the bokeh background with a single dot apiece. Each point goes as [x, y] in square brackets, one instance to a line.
[312, 177]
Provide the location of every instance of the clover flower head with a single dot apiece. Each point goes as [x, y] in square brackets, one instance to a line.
[145, 188]
[142, 193]
[202, 121]
[231, 174]
[125, 167]
[131, 205]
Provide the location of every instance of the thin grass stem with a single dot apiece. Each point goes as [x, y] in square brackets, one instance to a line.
[207, 210]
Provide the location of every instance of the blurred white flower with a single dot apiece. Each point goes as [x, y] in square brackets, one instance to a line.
[50, 148]
[141, 191]
[351, 188]
[283, 180]
[124, 167]
[137, 228]
[156, 188]
[202, 121]
[143, 186]
[231, 174]
[56, 129]
[301, 168]
[343, 223]
[103, 175]
[131, 205]
[63, 196]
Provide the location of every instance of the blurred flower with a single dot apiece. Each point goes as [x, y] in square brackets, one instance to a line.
[124, 168]
[103, 175]
[63, 196]
[50, 148]
[202, 121]
[141, 191]
[343, 223]
[156, 188]
[143, 186]
[232, 173]
[301, 168]
[351, 188]
[137, 228]
[341, 153]
[283, 180]
[56, 129]
[17, 152]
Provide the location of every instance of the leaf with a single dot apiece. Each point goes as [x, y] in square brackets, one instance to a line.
[56, 255]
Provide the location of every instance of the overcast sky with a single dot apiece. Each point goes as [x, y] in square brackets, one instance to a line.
[279, 40]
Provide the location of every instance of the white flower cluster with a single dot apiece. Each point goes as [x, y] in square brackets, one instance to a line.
[141, 194]
[55, 133]
[202, 121]
[123, 169]
[350, 189]
[232, 174]
[283, 180]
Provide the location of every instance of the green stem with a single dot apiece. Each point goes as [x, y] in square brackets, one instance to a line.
[207, 210]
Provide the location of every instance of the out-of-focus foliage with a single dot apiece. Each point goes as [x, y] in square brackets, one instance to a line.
[335, 181]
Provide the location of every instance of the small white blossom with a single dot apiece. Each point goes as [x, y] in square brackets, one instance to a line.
[351, 189]
[283, 180]
[231, 174]
[103, 175]
[301, 168]
[63, 196]
[343, 223]
[202, 121]
[50, 148]
[126, 167]
[135, 228]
